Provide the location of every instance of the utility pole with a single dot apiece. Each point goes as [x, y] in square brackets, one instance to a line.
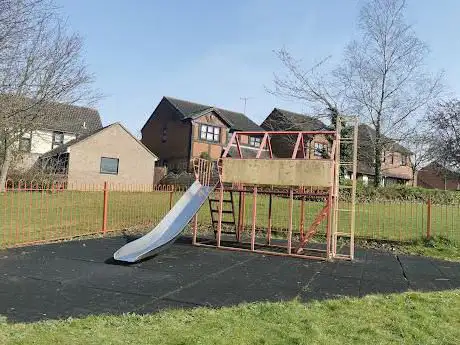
[245, 100]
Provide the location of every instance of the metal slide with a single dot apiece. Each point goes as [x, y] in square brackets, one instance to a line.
[169, 228]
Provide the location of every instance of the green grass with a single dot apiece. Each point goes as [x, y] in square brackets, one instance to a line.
[409, 318]
[30, 217]
[437, 247]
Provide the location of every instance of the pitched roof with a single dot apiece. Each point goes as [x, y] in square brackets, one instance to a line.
[280, 119]
[56, 116]
[63, 148]
[237, 121]
[367, 134]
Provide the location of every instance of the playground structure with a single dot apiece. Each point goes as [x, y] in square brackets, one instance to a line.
[298, 179]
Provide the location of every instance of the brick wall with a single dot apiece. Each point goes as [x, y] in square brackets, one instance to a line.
[167, 136]
[136, 164]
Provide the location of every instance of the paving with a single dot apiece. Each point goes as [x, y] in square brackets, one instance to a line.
[79, 278]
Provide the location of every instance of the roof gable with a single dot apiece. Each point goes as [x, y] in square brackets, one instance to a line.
[237, 121]
[63, 148]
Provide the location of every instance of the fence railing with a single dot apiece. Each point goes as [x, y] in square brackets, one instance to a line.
[39, 212]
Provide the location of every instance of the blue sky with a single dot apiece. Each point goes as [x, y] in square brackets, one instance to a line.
[215, 52]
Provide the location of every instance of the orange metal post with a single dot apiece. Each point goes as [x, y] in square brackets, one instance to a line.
[329, 223]
[269, 228]
[104, 212]
[170, 199]
[195, 228]
[428, 219]
[291, 204]
[254, 218]
[302, 217]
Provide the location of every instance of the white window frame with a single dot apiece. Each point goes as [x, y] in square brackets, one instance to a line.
[56, 143]
[319, 149]
[255, 141]
[210, 133]
[110, 172]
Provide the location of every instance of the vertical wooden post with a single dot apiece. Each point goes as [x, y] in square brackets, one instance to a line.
[105, 208]
[269, 228]
[428, 219]
[291, 206]
[329, 222]
[254, 218]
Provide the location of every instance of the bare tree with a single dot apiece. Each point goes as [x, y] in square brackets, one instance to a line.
[444, 123]
[382, 78]
[383, 74]
[419, 143]
[40, 63]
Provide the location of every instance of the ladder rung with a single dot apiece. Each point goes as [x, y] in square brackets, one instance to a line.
[344, 210]
[346, 163]
[217, 200]
[344, 234]
[346, 187]
[226, 232]
[342, 256]
[223, 211]
[224, 222]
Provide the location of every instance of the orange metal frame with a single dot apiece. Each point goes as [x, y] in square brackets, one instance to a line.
[288, 249]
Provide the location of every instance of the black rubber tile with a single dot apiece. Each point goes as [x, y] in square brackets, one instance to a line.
[343, 269]
[432, 284]
[262, 279]
[328, 286]
[383, 286]
[32, 300]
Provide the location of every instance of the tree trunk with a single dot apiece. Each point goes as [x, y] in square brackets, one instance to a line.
[377, 157]
[4, 169]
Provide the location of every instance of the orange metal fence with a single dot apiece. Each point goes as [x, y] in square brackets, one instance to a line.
[35, 212]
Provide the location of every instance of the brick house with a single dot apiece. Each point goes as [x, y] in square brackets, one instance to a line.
[395, 160]
[109, 154]
[178, 130]
[436, 176]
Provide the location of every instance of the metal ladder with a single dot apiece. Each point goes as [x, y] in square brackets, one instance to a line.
[349, 208]
[215, 211]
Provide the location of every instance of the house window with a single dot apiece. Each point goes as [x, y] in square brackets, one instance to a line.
[403, 160]
[58, 139]
[109, 165]
[255, 141]
[210, 133]
[384, 158]
[320, 149]
[392, 158]
[25, 144]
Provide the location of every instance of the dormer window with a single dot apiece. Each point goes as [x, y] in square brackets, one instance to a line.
[58, 139]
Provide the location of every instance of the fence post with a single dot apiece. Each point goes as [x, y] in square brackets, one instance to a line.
[104, 211]
[171, 197]
[428, 219]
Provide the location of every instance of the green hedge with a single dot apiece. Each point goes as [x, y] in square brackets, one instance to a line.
[403, 193]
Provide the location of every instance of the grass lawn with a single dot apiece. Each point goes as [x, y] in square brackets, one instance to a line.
[35, 216]
[440, 248]
[409, 318]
